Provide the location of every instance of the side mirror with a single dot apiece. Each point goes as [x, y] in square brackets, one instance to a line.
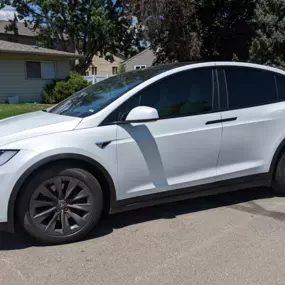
[142, 114]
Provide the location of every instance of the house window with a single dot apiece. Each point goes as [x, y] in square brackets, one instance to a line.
[136, 67]
[94, 70]
[40, 69]
[115, 70]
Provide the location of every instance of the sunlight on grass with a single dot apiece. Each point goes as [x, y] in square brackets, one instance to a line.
[9, 110]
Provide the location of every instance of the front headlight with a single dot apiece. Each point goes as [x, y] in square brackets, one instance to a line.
[6, 155]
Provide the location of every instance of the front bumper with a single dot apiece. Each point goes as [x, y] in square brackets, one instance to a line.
[10, 174]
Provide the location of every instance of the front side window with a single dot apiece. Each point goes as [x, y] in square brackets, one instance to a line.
[186, 93]
[95, 98]
[40, 69]
[248, 87]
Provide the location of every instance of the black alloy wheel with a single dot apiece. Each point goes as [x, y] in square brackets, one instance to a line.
[60, 204]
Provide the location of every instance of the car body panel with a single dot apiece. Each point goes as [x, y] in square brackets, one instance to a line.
[34, 124]
[167, 154]
[249, 143]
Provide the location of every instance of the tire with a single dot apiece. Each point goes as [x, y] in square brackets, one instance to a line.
[60, 204]
[279, 177]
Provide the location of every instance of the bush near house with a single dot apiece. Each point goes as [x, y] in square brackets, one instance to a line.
[59, 90]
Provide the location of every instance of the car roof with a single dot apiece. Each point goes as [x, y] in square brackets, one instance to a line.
[183, 65]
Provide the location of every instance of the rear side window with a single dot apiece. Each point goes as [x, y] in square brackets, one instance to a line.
[280, 79]
[248, 87]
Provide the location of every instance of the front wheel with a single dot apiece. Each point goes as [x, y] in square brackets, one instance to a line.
[60, 205]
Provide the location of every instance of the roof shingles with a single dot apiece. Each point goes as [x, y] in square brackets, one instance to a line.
[16, 48]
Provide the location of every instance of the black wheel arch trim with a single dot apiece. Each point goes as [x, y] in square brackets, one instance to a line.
[67, 156]
[276, 158]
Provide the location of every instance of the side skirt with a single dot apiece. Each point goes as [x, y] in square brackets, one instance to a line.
[192, 192]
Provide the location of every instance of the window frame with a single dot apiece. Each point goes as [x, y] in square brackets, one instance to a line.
[115, 68]
[95, 69]
[224, 92]
[215, 97]
[141, 66]
[40, 61]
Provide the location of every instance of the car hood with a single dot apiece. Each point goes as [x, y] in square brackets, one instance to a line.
[34, 124]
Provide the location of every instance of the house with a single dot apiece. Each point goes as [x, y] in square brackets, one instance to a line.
[140, 61]
[25, 35]
[102, 67]
[26, 69]
[99, 66]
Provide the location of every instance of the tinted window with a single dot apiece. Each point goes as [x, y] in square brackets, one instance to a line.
[281, 86]
[186, 93]
[94, 98]
[250, 87]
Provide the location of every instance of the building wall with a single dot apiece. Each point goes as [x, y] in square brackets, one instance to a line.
[104, 67]
[13, 81]
[144, 58]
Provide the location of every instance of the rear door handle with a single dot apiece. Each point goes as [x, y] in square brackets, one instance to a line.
[221, 121]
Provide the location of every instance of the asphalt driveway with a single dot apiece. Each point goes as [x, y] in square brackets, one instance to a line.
[234, 238]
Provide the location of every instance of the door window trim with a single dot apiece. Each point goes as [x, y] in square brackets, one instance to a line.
[215, 93]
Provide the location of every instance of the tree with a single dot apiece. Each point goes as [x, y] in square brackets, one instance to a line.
[102, 27]
[189, 30]
[227, 29]
[171, 27]
[268, 47]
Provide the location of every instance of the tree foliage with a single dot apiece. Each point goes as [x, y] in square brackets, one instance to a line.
[177, 30]
[89, 27]
[181, 30]
[269, 44]
[59, 90]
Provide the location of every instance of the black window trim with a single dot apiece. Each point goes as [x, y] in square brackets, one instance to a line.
[223, 68]
[215, 92]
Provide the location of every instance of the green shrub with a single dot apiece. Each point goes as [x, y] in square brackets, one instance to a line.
[59, 90]
[48, 92]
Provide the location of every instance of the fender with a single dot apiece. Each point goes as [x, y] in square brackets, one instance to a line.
[45, 161]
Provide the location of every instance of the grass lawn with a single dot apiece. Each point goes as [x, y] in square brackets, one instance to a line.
[8, 110]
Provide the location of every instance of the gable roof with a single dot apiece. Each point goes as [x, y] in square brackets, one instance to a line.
[137, 55]
[22, 29]
[15, 48]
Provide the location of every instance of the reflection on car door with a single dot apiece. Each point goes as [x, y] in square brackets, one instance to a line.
[180, 149]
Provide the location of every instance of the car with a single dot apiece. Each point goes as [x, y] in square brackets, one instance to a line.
[142, 138]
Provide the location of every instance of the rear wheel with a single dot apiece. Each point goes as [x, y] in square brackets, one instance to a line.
[279, 178]
[60, 204]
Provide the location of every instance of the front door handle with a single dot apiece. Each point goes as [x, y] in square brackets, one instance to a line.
[221, 121]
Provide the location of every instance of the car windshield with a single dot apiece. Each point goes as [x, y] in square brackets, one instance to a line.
[94, 98]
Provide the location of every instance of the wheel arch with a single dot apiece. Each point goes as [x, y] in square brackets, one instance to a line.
[277, 155]
[77, 160]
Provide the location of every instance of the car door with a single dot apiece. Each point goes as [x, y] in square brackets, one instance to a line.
[181, 148]
[252, 121]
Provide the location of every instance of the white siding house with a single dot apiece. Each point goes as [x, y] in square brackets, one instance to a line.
[142, 60]
[25, 70]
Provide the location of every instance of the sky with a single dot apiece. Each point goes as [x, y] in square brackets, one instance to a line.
[7, 13]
